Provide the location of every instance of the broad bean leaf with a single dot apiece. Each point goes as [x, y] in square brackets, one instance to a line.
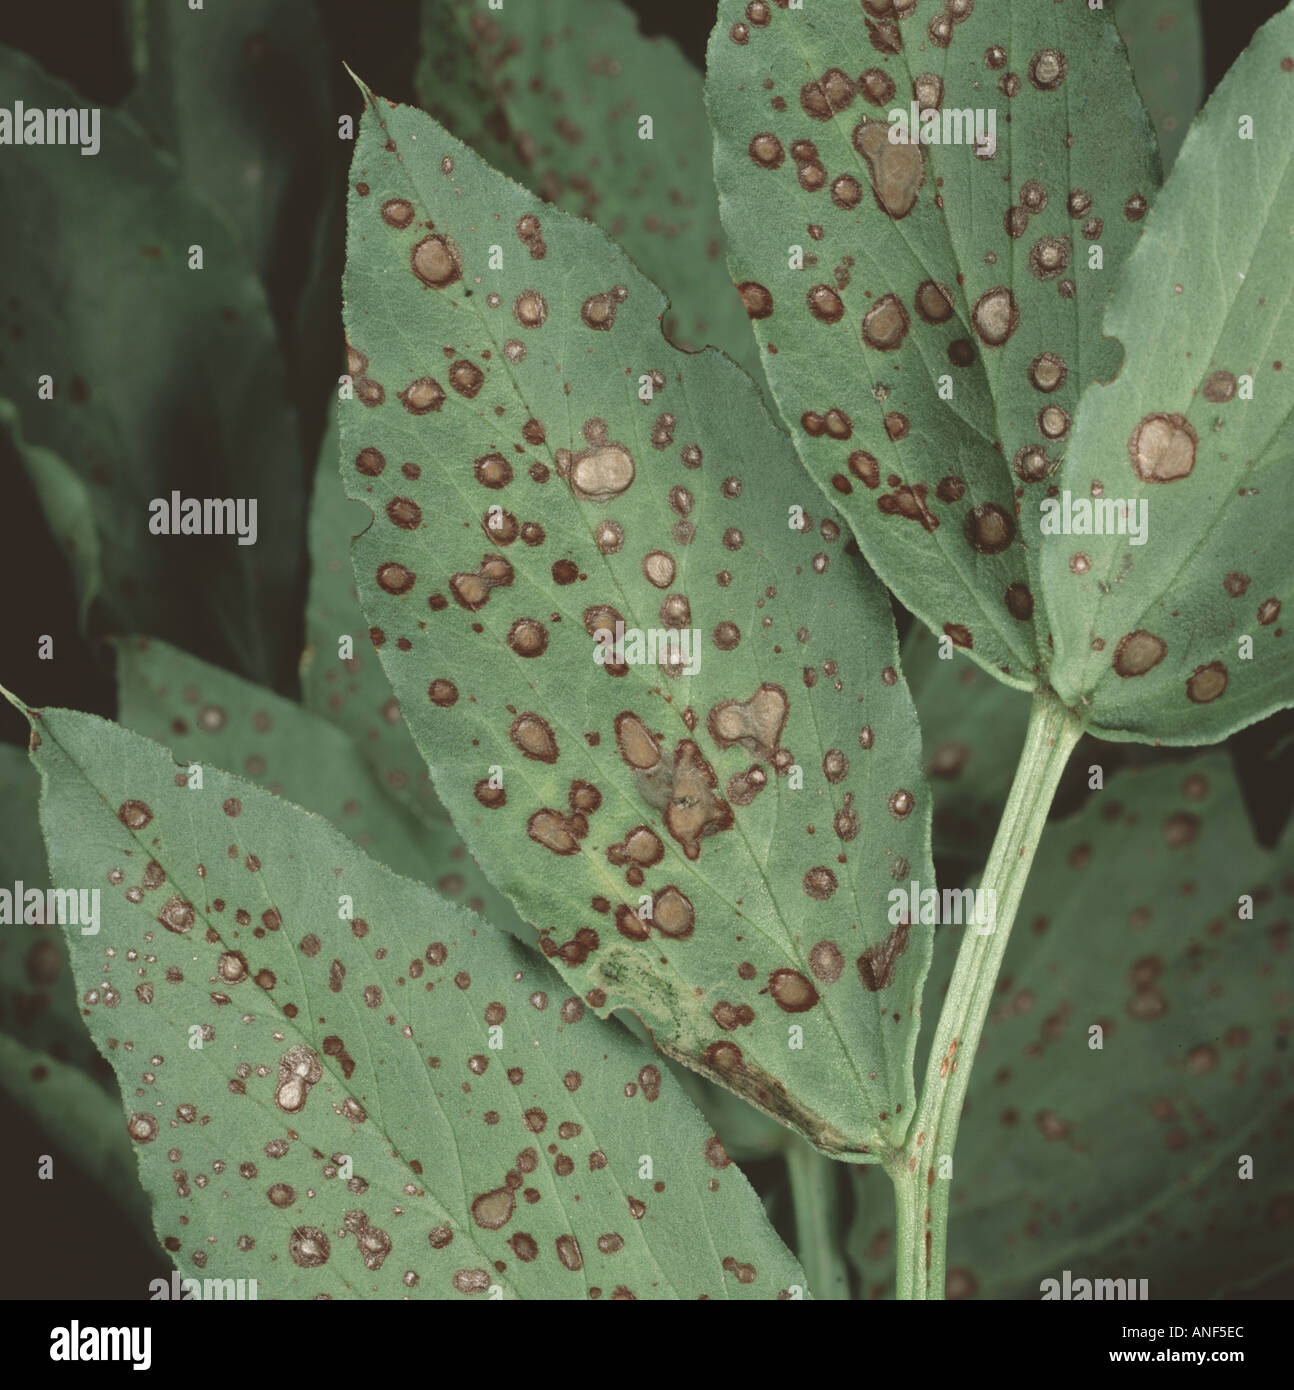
[1181, 640]
[68, 509]
[237, 93]
[343, 1086]
[38, 1005]
[1126, 1162]
[555, 96]
[973, 729]
[929, 313]
[711, 850]
[205, 715]
[164, 378]
[352, 691]
[1166, 49]
[82, 1122]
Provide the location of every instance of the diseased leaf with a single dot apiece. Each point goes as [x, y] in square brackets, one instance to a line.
[555, 96]
[1195, 433]
[206, 716]
[649, 821]
[388, 1098]
[930, 349]
[38, 1004]
[1125, 1161]
[744, 1132]
[973, 729]
[164, 378]
[79, 1116]
[353, 694]
[1166, 49]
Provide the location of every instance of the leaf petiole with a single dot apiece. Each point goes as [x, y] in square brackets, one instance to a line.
[921, 1188]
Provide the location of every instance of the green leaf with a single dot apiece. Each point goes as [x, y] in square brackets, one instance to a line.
[1166, 49]
[555, 98]
[353, 694]
[238, 94]
[68, 507]
[929, 264]
[745, 1133]
[536, 499]
[1153, 638]
[973, 729]
[37, 1000]
[352, 691]
[1124, 1162]
[262, 1040]
[207, 716]
[164, 378]
[82, 1120]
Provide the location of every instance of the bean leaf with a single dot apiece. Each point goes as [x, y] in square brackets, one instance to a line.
[973, 729]
[1181, 640]
[37, 1002]
[929, 313]
[207, 716]
[556, 97]
[111, 316]
[340, 1085]
[1166, 48]
[704, 829]
[79, 1120]
[1152, 915]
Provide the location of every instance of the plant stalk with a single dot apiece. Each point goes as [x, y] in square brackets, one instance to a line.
[819, 1239]
[922, 1171]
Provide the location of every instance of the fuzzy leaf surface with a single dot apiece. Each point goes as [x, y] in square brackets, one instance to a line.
[524, 497]
[554, 96]
[927, 312]
[345, 1126]
[1180, 640]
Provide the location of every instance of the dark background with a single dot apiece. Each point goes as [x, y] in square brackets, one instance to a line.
[67, 1241]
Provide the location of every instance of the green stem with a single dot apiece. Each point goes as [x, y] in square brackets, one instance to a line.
[819, 1240]
[922, 1194]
